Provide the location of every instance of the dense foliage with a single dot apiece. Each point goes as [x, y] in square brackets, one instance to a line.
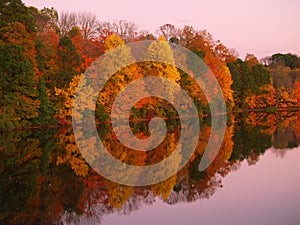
[43, 54]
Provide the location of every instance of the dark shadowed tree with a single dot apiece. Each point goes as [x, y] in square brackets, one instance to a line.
[69, 63]
[15, 11]
[18, 102]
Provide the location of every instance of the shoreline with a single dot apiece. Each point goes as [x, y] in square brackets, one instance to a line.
[266, 110]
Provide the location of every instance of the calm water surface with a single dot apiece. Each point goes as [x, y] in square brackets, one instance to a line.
[254, 179]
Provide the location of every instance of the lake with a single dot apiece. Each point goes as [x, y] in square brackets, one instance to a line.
[254, 179]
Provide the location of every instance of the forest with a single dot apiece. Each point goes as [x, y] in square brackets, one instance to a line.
[43, 55]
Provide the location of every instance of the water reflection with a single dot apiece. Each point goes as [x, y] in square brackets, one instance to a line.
[45, 180]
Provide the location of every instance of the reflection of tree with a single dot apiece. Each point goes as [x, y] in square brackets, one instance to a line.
[287, 133]
[20, 177]
[249, 139]
[72, 154]
[118, 194]
[164, 188]
[34, 189]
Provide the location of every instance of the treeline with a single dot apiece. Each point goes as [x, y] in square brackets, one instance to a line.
[285, 72]
[271, 82]
[43, 54]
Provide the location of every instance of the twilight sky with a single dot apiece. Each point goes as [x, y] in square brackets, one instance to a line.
[261, 27]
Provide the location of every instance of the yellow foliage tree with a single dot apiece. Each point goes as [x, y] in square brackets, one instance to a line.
[66, 96]
[118, 58]
[159, 52]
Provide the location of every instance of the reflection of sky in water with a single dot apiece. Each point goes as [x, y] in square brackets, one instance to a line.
[265, 194]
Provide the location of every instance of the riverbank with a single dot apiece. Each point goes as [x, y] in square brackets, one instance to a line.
[56, 126]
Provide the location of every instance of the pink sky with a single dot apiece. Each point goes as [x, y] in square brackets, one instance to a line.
[259, 27]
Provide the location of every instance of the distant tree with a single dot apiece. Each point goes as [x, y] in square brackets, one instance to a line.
[261, 75]
[186, 34]
[66, 22]
[289, 60]
[45, 19]
[265, 60]
[145, 35]
[87, 24]
[168, 31]
[223, 53]
[234, 52]
[294, 74]
[239, 71]
[126, 30]
[251, 60]
[281, 78]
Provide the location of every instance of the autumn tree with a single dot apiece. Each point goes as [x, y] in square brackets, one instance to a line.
[45, 19]
[223, 53]
[158, 52]
[19, 105]
[215, 56]
[297, 87]
[251, 60]
[128, 73]
[186, 34]
[161, 51]
[88, 49]
[47, 57]
[64, 100]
